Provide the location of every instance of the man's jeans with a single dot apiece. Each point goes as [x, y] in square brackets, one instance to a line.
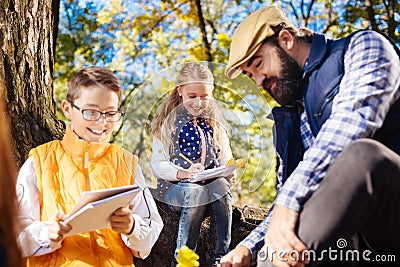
[192, 200]
[359, 197]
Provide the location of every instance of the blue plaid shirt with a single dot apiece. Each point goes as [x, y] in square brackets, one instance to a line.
[368, 89]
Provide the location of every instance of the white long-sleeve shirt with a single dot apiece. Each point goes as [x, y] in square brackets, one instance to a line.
[163, 168]
[33, 237]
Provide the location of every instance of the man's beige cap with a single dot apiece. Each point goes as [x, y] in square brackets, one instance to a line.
[250, 34]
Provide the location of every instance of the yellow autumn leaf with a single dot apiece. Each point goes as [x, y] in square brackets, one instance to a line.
[239, 162]
[187, 257]
[230, 162]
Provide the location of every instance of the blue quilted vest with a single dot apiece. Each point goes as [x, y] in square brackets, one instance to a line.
[323, 74]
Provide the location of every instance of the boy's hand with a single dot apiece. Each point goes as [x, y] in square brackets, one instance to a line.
[122, 221]
[56, 227]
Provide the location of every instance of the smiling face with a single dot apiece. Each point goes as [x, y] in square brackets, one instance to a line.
[95, 98]
[195, 97]
[276, 71]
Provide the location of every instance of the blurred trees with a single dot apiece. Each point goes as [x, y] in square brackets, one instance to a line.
[142, 42]
[378, 15]
[139, 40]
[340, 18]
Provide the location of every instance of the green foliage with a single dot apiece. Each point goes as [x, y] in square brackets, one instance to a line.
[379, 15]
[138, 40]
[339, 18]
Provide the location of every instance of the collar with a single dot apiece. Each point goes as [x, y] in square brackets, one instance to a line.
[183, 117]
[317, 53]
[78, 147]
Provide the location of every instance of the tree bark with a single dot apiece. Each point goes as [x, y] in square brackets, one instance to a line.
[26, 68]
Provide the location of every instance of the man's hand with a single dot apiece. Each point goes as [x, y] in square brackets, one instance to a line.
[239, 257]
[283, 246]
[122, 221]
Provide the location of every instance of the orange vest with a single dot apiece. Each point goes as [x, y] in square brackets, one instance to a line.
[64, 169]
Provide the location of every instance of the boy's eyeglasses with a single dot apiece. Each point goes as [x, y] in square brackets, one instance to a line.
[94, 115]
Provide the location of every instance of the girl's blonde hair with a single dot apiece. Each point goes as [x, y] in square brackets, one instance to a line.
[163, 123]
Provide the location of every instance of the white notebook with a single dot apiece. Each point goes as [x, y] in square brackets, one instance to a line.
[94, 208]
[222, 171]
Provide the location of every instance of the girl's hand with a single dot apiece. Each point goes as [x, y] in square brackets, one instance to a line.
[56, 227]
[184, 174]
[196, 167]
[231, 179]
[122, 221]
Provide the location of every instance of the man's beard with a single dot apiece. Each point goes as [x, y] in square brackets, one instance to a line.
[289, 86]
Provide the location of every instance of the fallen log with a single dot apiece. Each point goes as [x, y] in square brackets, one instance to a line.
[243, 221]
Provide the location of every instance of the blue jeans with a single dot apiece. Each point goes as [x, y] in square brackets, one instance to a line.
[192, 200]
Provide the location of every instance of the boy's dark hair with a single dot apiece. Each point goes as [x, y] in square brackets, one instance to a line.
[92, 76]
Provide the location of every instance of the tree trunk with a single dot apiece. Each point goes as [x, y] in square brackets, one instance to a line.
[243, 221]
[26, 68]
[392, 9]
[202, 25]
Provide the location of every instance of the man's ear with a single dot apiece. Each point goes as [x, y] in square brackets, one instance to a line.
[66, 108]
[286, 39]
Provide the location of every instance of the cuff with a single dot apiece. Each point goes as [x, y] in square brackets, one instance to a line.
[289, 199]
[139, 230]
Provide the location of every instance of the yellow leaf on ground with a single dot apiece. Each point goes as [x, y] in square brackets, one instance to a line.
[187, 257]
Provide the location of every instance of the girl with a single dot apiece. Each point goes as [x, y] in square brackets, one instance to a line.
[189, 135]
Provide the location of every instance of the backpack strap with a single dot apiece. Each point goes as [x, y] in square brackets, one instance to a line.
[132, 162]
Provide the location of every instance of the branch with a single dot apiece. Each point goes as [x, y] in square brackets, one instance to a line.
[371, 14]
[309, 12]
[161, 19]
[203, 30]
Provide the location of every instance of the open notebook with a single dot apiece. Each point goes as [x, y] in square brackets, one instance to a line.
[94, 208]
[222, 171]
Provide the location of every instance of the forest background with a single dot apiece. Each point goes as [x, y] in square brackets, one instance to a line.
[43, 42]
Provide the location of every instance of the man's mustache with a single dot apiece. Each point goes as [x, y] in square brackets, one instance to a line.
[267, 84]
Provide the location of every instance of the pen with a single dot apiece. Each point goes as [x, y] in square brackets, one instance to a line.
[185, 158]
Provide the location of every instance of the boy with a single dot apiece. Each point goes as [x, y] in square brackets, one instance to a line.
[56, 173]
